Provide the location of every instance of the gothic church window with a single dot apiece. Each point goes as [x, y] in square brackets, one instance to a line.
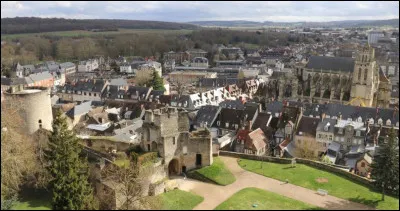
[359, 73]
[365, 74]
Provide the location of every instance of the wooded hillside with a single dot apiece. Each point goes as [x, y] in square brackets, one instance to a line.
[37, 25]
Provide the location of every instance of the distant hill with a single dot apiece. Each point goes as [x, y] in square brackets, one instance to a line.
[227, 23]
[347, 23]
[36, 25]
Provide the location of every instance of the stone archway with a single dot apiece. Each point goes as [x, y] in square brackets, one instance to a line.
[173, 167]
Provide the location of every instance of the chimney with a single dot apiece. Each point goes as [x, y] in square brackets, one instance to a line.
[322, 116]
[248, 125]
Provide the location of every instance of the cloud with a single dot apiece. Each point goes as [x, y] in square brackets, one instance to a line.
[284, 11]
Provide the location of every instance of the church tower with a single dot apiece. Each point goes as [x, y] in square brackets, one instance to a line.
[365, 78]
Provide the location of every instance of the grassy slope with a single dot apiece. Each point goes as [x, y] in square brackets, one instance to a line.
[179, 200]
[34, 200]
[265, 200]
[306, 176]
[217, 172]
[78, 33]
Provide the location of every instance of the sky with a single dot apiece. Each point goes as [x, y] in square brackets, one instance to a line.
[277, 11]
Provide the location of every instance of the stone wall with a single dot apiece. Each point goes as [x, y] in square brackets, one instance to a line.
[311, 163]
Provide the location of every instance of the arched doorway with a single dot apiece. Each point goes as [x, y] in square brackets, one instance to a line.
[153, 146]
[173, 167]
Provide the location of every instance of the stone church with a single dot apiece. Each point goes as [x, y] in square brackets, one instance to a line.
[341, 80]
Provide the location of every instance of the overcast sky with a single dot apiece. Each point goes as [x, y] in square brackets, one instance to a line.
[283, 11]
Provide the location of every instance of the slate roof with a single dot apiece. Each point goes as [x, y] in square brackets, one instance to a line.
[353, 112]
[155, 95]
[119, 82]
[208, 113]
[235, 104]
[261, 122]
[40, 76]
[308, 125]
[322, 124]
[231, 116]
[343, 64]
[67, 65]
[89, 85]
[83, 108]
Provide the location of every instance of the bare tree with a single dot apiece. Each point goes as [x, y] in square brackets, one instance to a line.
[307, 149]
[126, 188]
[17, 151]
[144, 75]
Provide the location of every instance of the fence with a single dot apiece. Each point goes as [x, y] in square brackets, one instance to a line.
[316, 164]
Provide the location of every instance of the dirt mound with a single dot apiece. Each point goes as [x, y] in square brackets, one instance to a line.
[322, 180]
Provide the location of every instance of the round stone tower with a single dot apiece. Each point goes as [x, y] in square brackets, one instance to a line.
[34, 104]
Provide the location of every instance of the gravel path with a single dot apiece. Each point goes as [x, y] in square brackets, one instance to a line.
[215, 194]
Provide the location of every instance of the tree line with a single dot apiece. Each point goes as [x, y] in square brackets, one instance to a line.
[37, 25]
[33, 49]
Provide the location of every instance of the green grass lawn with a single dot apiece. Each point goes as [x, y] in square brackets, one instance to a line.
[122, 162]
[217, 172]
[265, 200]
[306, 176]
[33, 200]
[179, 200]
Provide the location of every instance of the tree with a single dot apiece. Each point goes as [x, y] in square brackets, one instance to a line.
[385, 166]
[240, 74]
[17, 153]
[69, 183]
[157, 82]
[127, 186]
[143, 76]
[307, 148]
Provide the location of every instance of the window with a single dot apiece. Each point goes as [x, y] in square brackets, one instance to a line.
[94, 94]
[40, 123]
[388, 122]
[218, 123]
[330, 138]
[362, 164]
[84, 93]
[358, 133]
[380, 121]
[359, 72]
[226, 124]
[173, 140]
[324, 144]
[90, 94]
[365, 75]
[340, 131]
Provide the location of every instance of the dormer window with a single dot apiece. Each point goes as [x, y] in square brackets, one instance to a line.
[380, 121]
[226, 124]
[218, 123]
[371, 121]
[388, 122]
[359, 119]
